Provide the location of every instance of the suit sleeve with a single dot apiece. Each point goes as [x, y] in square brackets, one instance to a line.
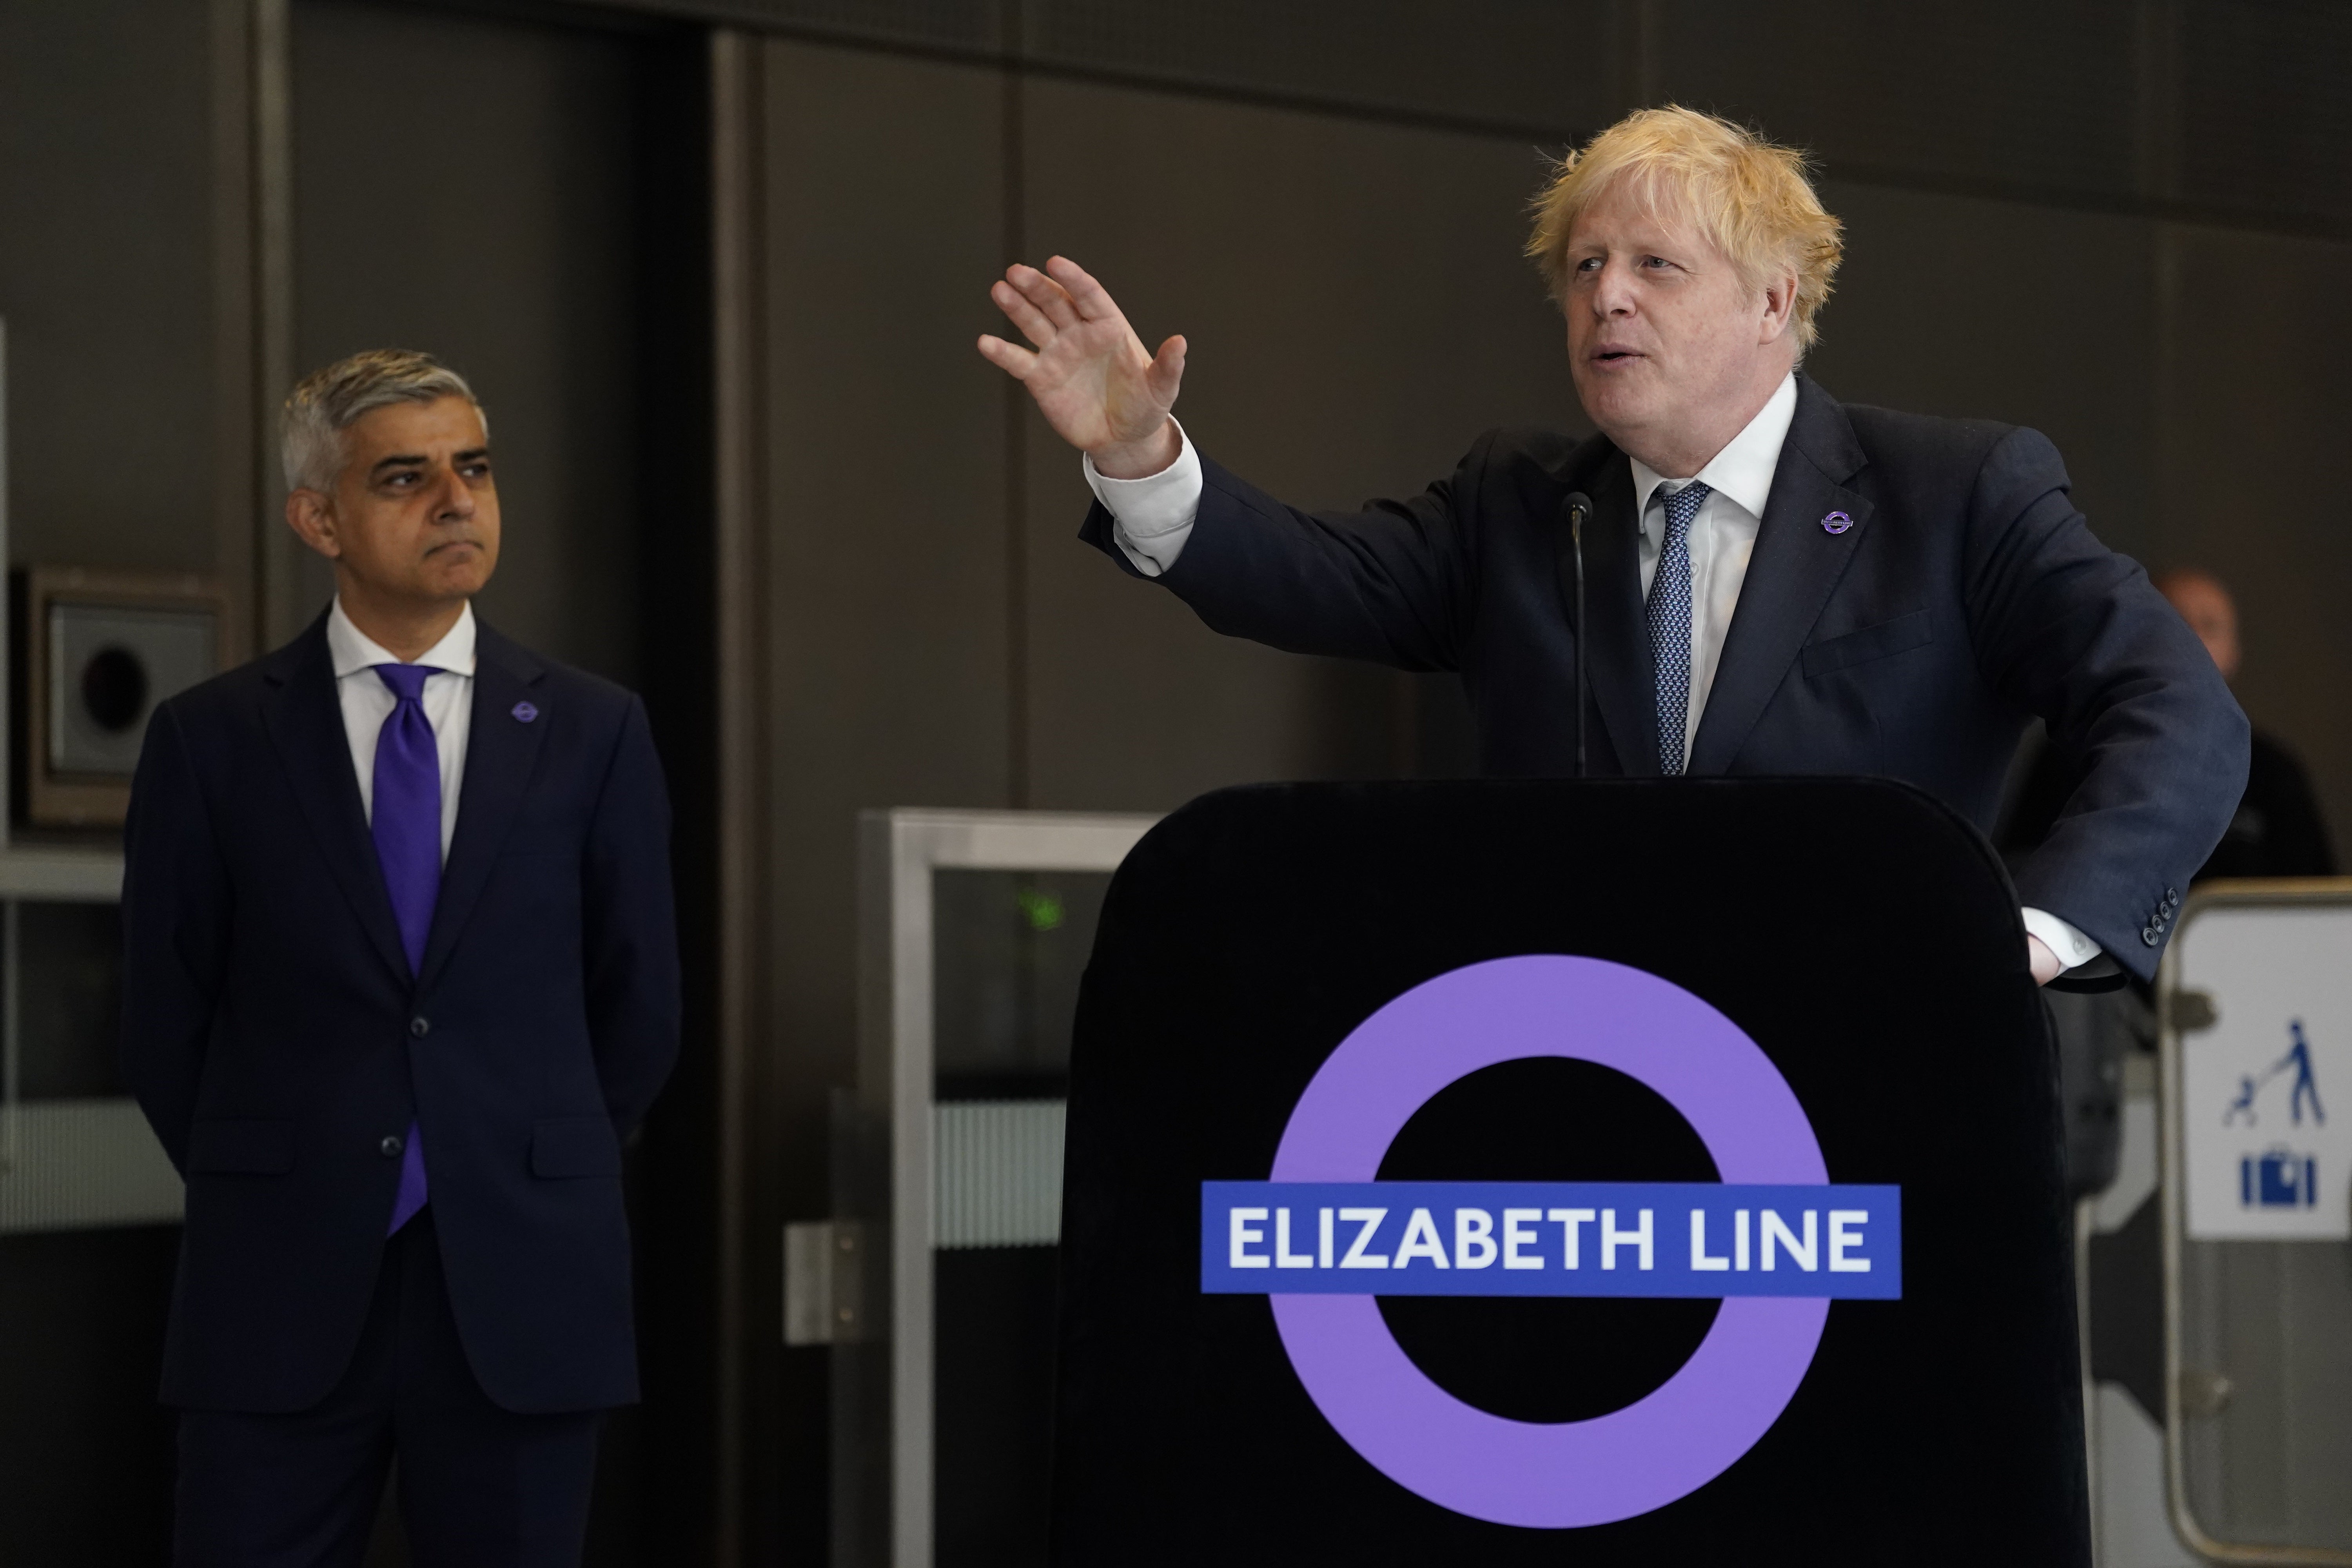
[2076, 633]
[1388, 584]
[629, 931]
[177, 908]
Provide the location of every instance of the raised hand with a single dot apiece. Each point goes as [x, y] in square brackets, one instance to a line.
[1088, 371]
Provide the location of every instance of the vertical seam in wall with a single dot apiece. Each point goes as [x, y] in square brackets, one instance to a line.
[1014, 185]
[277, 554]
[235, 404]
[741, 651]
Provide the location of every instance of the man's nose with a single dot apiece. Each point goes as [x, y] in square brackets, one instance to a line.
[1612, 291]
[455, 502]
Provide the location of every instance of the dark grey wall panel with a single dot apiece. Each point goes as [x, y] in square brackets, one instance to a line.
[886, 544]
[1357, 312]
[2265, 113]
[2015, 91]
[467, 187]
[2257, 332]
[1531, 62]
[105, 282]
[2027, 315]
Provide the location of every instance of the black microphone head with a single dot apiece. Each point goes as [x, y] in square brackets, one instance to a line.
[1579, 507]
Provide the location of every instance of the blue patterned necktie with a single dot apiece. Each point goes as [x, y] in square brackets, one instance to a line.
[406, 823]
[1669, 612]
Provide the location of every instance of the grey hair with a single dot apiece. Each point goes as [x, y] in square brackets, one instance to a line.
[328, 402]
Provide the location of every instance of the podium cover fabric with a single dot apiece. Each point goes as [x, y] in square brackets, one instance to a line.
[1859, 934]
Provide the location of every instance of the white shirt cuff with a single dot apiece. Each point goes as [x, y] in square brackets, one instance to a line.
[2072, 948]
[1152, 517]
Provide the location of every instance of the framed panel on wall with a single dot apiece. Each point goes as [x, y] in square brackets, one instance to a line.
[98, 651]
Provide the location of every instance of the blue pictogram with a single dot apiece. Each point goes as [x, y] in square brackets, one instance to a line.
[2306, 1086]
[2281, 1179]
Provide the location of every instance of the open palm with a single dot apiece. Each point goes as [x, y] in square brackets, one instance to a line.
[1087, 371]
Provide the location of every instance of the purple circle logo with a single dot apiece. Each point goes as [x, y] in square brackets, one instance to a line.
[1550, 1476]
[1836, 522]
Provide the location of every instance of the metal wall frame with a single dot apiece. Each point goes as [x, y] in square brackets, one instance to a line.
[2172, 1023]
[898, 852]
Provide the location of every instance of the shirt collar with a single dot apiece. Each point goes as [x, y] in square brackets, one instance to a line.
[353, 650]
[1743, 469]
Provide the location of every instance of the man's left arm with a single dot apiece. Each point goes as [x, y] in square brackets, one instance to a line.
[2074, 632]
[629, 930]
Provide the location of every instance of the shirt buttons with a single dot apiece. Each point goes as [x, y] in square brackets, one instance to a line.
[391, 1147]
[420, 1027]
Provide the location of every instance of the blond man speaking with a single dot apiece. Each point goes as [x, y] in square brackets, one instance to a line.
[1777, 583]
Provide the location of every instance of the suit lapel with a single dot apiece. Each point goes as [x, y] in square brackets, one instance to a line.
[305, 720]
[502, 750]
[1796, 564]
[1618, 643]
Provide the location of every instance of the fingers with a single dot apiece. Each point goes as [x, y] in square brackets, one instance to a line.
[1091, 300]
[1021, 313]
[1165, 372]
[1044, 294]
[1011, 358]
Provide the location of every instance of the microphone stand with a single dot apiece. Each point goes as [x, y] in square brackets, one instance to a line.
[1579, 507]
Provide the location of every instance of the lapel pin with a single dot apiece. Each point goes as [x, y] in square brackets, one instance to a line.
[524, 712]
[1836, 522]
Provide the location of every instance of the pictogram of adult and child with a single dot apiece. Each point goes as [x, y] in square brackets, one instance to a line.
[2280, 1178]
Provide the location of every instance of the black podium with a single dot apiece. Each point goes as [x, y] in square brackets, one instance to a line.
[1613, 1172]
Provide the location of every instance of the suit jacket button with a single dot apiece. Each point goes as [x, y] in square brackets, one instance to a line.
[391, 1147]
[2147, 935]
[419, 1027]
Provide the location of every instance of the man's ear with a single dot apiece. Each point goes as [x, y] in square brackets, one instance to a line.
[313, 516]
[1780, 308]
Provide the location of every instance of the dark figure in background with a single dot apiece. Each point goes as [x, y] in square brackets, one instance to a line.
[2278, 829]
[400, 975]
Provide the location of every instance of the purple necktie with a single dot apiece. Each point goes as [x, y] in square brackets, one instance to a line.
[406, 827]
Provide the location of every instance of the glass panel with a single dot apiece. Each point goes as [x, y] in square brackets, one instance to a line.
[1010, 948]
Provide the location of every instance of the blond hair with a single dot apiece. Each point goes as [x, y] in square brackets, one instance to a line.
[1748, 196]
[328, 402]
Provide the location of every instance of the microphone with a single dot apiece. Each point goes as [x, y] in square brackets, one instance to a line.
[1579, 507]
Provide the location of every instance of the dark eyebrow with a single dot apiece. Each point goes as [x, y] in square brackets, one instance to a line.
[418, 461]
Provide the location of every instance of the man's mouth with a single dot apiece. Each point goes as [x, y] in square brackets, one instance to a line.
[1616, 356]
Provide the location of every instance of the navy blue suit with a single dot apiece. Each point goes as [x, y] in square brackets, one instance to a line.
[280, 1043]
[1968, 596]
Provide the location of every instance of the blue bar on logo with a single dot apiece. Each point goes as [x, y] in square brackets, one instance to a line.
[1550, 1238]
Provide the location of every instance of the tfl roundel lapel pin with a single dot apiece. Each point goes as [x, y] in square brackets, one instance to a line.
[524, 712]
[1836, 522]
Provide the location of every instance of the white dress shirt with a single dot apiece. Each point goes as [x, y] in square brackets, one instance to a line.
[449, 703]
[1153, 517]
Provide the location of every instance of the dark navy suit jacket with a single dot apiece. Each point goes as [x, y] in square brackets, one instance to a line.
[1967, 596]
[276, 1036]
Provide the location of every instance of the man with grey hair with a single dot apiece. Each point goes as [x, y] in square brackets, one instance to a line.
[400, 975]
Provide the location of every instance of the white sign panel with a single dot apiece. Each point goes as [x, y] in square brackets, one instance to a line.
[2266, 1092]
